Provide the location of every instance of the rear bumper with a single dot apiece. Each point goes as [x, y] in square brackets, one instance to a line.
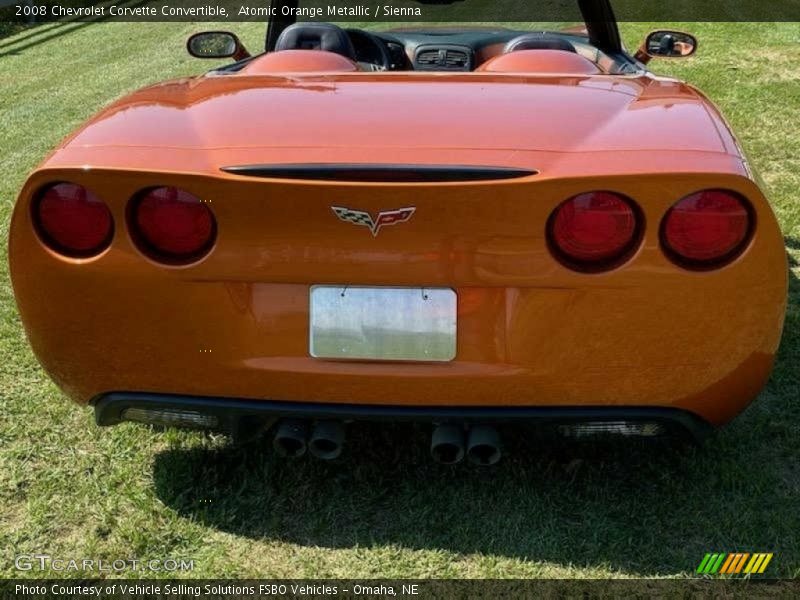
[236, 415]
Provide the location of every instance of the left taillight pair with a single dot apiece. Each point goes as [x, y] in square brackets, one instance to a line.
[167, 224]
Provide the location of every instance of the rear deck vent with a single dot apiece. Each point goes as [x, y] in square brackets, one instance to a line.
[379, 172]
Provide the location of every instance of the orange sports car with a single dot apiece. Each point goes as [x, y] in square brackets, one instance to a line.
[462, 226]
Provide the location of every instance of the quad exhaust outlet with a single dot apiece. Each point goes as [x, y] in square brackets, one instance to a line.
[450, 443]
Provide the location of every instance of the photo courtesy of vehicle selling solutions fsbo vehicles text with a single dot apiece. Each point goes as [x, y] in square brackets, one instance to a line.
[464, 298]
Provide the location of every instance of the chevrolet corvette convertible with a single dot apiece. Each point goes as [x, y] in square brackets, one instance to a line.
[470, 227]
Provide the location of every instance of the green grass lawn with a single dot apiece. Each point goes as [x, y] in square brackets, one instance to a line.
[70, 489]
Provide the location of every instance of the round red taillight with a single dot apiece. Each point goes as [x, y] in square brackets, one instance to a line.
[707, 228]
[595, 230]
[72, 220]
[172, 225]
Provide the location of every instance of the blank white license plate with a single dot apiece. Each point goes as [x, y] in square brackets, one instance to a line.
[382, 323]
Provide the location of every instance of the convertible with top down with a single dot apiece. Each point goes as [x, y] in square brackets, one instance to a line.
[464, 226]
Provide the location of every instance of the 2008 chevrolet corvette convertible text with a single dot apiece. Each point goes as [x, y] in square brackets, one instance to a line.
[460, 226]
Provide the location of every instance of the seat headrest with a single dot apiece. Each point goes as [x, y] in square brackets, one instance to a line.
[540, 61]
[299, 61]
[538, 41]
[316, 36]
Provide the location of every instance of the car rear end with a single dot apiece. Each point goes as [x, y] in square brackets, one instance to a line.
[229, 300]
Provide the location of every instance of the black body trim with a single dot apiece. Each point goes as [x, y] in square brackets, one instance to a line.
[109, 407]
[388, 173]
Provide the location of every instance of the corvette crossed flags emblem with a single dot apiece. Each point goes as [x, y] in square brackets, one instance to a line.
[385, 217]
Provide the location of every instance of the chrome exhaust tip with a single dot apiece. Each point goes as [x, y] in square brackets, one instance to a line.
[290, 438]
[447, 444]
[327, 440]
[483, 445]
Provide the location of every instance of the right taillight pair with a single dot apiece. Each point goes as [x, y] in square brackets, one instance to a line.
[168, 224]
[598, 231]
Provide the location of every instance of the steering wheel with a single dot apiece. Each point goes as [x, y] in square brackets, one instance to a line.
[370, 49]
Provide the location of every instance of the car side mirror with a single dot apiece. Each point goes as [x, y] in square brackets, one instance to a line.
[666, 44]
[216, 44]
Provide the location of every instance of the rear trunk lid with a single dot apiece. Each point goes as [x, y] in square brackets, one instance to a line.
[378, 115]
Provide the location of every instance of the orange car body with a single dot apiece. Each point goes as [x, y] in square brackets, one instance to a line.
[531, 332]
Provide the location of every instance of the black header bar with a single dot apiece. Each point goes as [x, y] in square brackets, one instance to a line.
[398, 11]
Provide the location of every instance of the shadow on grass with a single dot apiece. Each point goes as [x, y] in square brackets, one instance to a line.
[48, 31]
[792, 244]
[636, 509]
[40, 35]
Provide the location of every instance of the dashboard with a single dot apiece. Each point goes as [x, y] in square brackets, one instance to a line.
[437, 49]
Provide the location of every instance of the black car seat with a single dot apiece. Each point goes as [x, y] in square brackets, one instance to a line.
[538, 41]
[316, 36]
